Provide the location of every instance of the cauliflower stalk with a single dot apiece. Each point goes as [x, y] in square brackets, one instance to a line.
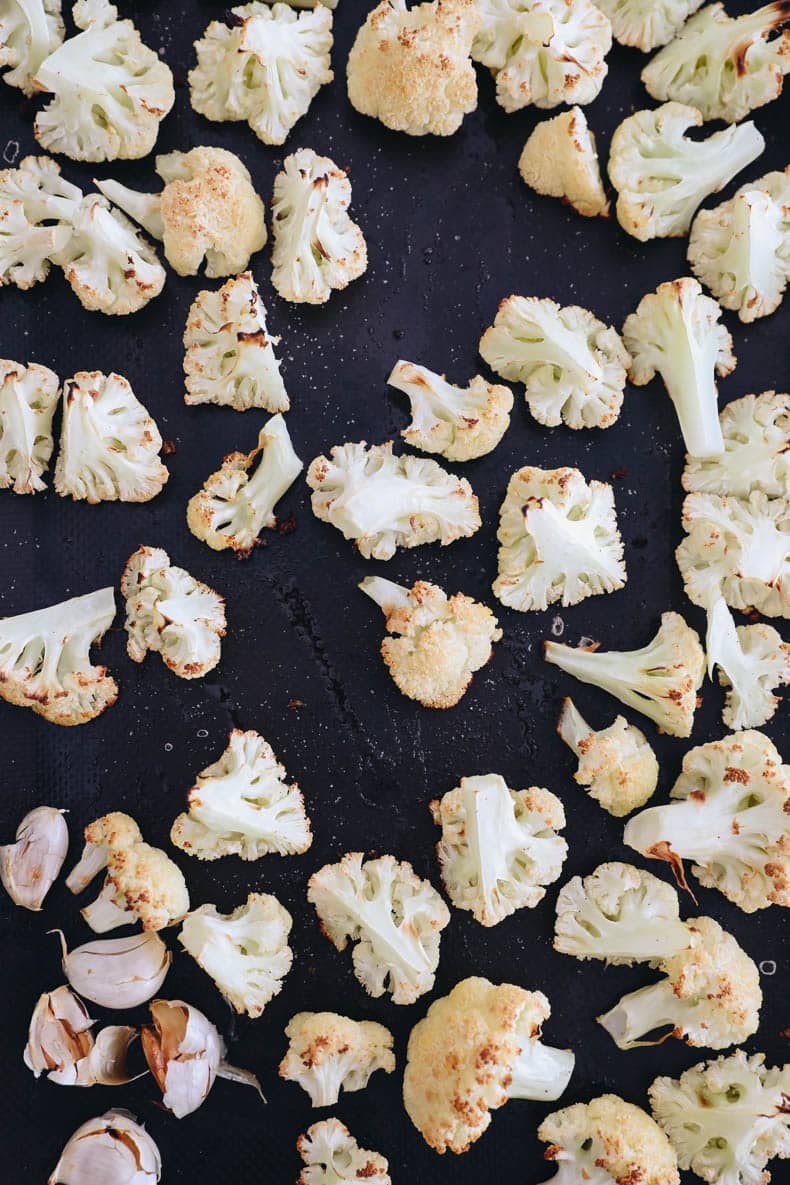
[394, 918]
[29, 32]
[731, 818]
[142, 885]
[675, 332]
[459, 423]
[111, 91]
[473, 1051]
[28, 398]
[662, 176]
[756, 456]
[660, 680]
[560, 160]
[242, 806]
[328, 1053]
[607, 1141]
[572, 365]
[317, 248]
[559, 540]
[384, 502]
[752, 660]
[264, 65]
[616, 764]
[245, 952]
[332, 1156]
[440, 641]
[647, 24]
[171, 613]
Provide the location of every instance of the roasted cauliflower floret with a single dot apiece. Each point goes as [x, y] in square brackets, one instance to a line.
[559, 540]
[29, 32]
[37, 208]
[332, 1156]
[752, 660]
[616, 764]
[383, 502]
[229, 357]
[263, 64]
[317, 248]
[572, 365]
[171, 613]
[45, 661]
[109, 445]
[474, 1050]
[328, 1053]
[676, 332]
[499, 847]
[560, 160]
[28, 398]
[459, 423]
[411, 69]
[439, 641]
[660, 680]
[646, 24]
[393, 917]
[111, 91]
[245, 952]
[102, 836]
[756, 454]
[142, 885]
[242, 806]
[544, 52]
[731, 819]
[607, 1142]
[233, 507]
[662, 176]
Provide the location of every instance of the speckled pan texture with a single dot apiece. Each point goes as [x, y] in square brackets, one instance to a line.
[451, 230]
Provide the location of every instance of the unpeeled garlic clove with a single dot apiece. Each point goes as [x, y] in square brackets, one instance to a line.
[61, 1045]
[29, 867]
[118, 972]
[110, 1150]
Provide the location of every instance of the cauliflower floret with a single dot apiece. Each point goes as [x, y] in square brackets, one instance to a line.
[616, 764]
[26, 251]
[660, 680]
[544, 52]
[459, 423]
[109, 445]
[242, 806]
[560, 159]
[675, 332]
[262, 64]
[233, 508]
[29, 31]
[607, 1142]
[142, 885]
[172, 614]
[499, 847]
[737, 548]
[620, 914]
[646, 24]
[102, 836]
[333, 1156]
[245, 952]
[411, 68]
[756, 455]
[328, 1053]
[229, 357]
[111, 91]
[208, 210]
[37, 207]
[383, 502]
[724, 66]
[662, 176]
[726, 1118]
[559, 540]
[45, 663]
[752, 660]
[393, 916]
[28, 398]
[442, 640]
[317, 248]
[732, 819]
[710, 995]
[572, 365]
[474, 1050]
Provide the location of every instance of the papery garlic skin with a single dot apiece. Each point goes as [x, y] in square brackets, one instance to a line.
[112, 1149]
[118, 972]
[61, 1045]
[29, 867]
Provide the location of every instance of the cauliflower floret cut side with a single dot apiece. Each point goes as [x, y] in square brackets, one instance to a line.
[30, 30]
[461, 424]
[647, 24]
[37, 209]
[607, 1141]
[28, 398]
[617, 766]
[752, 661]
[328, 1054]
[332, 1156]
[756, 454]
[560, 160]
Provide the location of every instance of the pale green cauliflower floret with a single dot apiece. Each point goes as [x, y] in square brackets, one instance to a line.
[37, 209]
[28, 398]
[142, 885]
[572, 365]
[459, 423]
[102, 836]
[328, 1054]
[262, 64]
[607, 1142]
[616, 764]
[752, 660]
[332, 1157]
[662, 176]
[29, 31]
[560, 160]
[756, 455]
[499, 847]
[646, 24]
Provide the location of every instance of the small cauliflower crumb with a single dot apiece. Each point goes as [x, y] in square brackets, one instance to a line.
[560, 160]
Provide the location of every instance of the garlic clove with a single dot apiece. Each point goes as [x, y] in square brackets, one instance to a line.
[110, 1150]
[59, 1036]
[106, 1064]
[29, 867]
[118, 972]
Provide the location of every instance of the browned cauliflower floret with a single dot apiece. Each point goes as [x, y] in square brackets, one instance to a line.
[474, 1050]
[143, 884]
[608, 1140]
[328, 1053]
[616, 764]
[411, 68]
[560, 160]
[115, 830]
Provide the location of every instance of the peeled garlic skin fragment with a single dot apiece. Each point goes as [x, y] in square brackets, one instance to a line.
[30, 866]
